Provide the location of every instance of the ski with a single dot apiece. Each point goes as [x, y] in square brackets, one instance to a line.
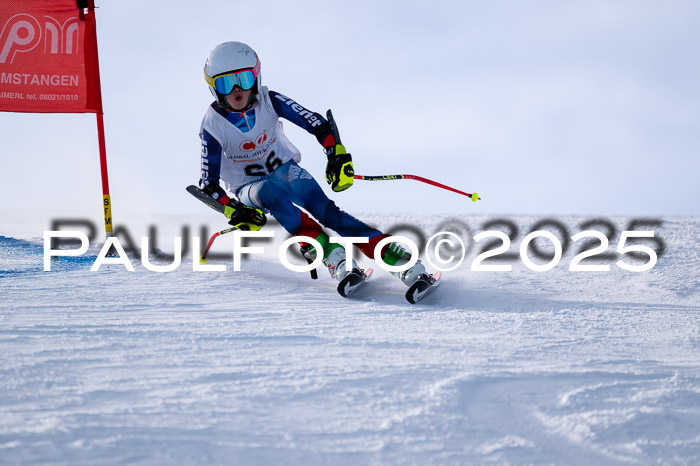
[352, 281]
[423, 285]
[204, 197]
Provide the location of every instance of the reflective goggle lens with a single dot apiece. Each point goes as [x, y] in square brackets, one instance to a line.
[225, 84]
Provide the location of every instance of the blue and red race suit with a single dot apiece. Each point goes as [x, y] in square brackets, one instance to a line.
[251, 155]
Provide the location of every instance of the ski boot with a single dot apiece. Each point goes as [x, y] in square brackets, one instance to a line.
[334, 260]
[397, 256]
[348, 281]
[417, 279]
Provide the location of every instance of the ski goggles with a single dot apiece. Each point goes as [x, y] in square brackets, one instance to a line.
[225, 83]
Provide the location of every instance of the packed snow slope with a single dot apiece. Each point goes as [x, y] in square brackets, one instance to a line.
[266, 366]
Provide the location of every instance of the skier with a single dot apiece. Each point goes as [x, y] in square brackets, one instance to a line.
[244, 146]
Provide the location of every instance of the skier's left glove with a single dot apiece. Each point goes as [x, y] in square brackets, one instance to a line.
[244, 217]
[339, 171]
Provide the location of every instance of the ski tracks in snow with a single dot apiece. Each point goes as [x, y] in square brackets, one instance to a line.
[267, 366]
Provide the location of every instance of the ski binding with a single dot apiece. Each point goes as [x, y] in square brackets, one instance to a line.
[423, 285]
[352, 281]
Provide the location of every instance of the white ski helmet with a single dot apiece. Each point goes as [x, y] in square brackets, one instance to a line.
[227, 58]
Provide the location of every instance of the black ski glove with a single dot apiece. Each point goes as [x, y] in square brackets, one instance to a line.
[339, 170]
[244, 217]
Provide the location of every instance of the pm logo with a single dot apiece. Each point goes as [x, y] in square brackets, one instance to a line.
[23, 33]
[247, 145]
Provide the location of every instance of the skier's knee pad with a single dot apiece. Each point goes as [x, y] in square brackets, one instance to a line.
[250, 194]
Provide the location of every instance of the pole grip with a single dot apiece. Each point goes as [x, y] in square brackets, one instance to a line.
[334, 127]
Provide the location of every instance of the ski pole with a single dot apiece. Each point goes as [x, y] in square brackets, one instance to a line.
[474, 196]
[203, 257]
[208, 200]
[334, 129]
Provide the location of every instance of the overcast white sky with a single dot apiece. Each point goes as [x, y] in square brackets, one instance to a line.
[543, 107]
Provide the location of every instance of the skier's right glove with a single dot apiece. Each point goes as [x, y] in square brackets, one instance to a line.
[339, 171]
[244, 217]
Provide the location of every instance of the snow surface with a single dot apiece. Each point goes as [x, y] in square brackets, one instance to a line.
[266, 366]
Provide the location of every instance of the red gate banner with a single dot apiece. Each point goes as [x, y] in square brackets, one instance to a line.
[48, 58]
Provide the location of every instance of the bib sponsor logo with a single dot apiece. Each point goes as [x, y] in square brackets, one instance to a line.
[247, 145]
